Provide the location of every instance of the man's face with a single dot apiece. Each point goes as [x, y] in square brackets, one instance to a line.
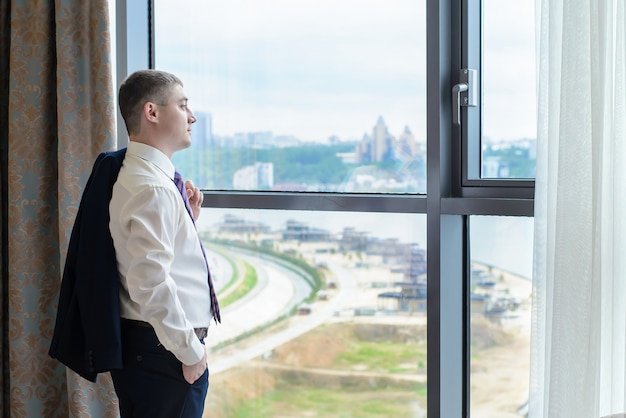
[175, 119]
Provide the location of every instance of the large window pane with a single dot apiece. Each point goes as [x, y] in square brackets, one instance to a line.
[309, 95]
[324, 314]
[500, 302]
[509, 128]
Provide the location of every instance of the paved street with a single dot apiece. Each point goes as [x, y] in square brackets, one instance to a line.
[276, 293]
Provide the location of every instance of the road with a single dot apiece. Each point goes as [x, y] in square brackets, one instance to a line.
[277, 291]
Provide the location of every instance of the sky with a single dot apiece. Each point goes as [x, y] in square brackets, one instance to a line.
[318, 68]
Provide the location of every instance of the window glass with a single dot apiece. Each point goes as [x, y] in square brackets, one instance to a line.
[500, 307]
[321, 312]
[312, 95]
[509, 128]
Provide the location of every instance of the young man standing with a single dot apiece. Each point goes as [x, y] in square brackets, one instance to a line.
[167, 298]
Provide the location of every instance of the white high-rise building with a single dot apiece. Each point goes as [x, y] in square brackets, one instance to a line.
[259, 176]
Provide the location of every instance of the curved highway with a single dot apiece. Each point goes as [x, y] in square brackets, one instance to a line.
[278, 290]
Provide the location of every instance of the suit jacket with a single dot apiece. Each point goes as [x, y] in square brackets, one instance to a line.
[87, 332]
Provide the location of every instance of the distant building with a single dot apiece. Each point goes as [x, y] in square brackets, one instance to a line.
[259, 176]
[235, 225]
[298, 231]
[406, 144]
[416, 263]
[381, 145]
[201, 143]
[353, 240]
[495, 168]
[377, 147]
[408, 259]
[412, 294]
[202, 131]
[347, 157]
[381, 140]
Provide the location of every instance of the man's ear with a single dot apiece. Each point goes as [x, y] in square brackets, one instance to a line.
[150, 111]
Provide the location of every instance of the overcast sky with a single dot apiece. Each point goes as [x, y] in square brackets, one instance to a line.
[331, 67]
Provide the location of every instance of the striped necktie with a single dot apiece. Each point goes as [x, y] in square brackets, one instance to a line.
[180, 185]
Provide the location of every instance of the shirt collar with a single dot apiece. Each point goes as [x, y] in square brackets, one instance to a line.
[153, 155]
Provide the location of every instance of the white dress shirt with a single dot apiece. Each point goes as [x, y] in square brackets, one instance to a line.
[163, 272]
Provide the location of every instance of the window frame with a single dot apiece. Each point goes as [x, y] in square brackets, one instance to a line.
[470, 184]
[453, 191]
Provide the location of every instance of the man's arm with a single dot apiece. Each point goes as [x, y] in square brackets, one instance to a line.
[153, 217]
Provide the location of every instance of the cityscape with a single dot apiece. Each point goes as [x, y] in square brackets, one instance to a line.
[301, 282]
[380, 162]
[363, 284]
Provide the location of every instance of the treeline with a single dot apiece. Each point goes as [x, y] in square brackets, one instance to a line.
[214, 167]
[319, 166]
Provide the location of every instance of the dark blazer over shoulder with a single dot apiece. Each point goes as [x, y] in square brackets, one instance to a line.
[87, 336]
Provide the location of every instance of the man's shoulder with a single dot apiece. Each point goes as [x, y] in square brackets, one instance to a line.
[112, 157]
[137, 172]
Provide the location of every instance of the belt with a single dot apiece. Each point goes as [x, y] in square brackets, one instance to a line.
[201, 333]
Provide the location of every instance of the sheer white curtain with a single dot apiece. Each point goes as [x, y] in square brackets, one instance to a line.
[579, 315]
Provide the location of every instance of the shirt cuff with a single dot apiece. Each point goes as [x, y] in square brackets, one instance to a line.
[191, 353]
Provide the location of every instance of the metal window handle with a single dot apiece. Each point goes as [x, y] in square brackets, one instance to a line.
[464, 94]
[456, 101]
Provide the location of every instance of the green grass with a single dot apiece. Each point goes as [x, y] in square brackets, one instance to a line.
[249, 281]
[233, 265]
[313, 275]
[328, 403]
[291, 393]
[383, 356]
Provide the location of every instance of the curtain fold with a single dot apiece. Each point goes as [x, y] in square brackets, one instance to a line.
[4, 122]
[578, 347]
[60, 115]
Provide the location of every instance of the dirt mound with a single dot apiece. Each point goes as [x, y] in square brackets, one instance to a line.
[405, 334]
[318, 348]
[239, 385]
[308, 362]
[321, 347]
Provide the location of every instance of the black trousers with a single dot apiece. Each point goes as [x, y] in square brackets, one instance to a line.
[151, 383]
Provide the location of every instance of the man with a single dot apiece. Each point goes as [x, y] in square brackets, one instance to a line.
[166, 294]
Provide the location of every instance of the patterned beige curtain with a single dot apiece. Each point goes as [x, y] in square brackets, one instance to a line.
[56, 114]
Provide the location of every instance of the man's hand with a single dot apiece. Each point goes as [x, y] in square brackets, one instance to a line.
[195, 198]
[195, 371]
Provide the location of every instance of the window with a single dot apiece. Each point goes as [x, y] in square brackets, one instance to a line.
[309, 97]
[326, 312]
[500, 308]
[497, 134]
[319, 190]
[509, 127]
[301, 96]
